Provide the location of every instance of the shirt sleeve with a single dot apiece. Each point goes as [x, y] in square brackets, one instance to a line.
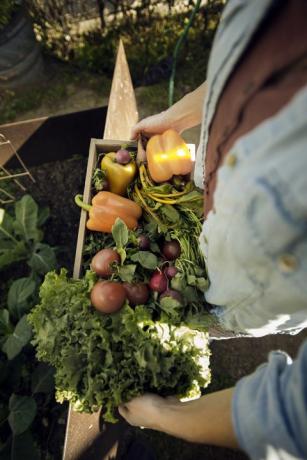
[270, 409]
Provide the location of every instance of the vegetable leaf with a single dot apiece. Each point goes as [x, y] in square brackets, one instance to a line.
[5, 325]
[146, 259]
[43, 215]
[22, 412]
[120, 233]
[11, 252]
[172, 308]
[104, 360]
[18, 339]
[19, 293]
[42, 379]
[170, 213]
[25, 225]
[126, 272]
[43, 259]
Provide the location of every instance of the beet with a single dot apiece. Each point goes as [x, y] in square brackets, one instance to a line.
[170, 272]
[173, 294]
[158, 282]
[144, 242]
[171, 250]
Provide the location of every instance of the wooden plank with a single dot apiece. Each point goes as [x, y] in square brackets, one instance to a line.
[46, 139]
[122, 110]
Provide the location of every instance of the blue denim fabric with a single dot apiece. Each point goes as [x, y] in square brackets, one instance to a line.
[269, 409]
[255, 240]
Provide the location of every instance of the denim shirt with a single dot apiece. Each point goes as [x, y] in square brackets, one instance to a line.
[269, 409]
[255, 240]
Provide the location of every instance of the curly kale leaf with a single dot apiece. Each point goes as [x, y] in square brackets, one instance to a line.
[104, 360]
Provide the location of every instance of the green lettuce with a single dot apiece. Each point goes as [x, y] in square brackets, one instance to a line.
[104, 360]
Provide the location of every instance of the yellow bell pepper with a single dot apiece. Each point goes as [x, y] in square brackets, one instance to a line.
[168, 155]
[118, 176]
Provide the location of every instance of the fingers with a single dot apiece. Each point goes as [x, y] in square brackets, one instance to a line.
[154, 124]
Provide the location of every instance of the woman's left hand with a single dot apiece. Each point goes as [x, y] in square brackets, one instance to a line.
[144, 411]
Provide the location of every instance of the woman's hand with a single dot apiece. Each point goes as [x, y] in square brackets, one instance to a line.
[143, 411]
[183, 115]
[155, 124]
[207, 419]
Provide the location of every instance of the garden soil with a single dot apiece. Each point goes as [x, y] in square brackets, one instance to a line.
[56, 185]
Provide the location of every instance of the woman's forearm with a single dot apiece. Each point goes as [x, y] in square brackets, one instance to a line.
[206, 420]
[187, 112]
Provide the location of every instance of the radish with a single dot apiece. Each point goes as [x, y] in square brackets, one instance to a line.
[158, 282]
[123, 156]
[171, 250]
[173, 294]
[170, 272]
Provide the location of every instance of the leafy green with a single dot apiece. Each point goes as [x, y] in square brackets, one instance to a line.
[104, 360]
[121, 236]
[19, 293]
[21, 235]
[43, 259]
[5, 325]
[126, 272]
[18, 338]
[22, 413]
[146, 259]
[21, 241]
[26, 213]
[42, 380]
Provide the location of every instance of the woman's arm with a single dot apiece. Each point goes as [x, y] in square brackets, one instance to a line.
[183, 115]
[205, 420]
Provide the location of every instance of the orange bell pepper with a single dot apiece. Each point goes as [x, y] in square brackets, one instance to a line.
[105, 209]
[168, 155]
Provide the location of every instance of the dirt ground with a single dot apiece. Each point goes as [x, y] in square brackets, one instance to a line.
[231, 359]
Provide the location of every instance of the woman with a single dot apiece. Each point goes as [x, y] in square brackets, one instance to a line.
[252, 165]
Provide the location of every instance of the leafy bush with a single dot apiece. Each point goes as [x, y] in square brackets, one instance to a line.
[149, 36]
[26, 387]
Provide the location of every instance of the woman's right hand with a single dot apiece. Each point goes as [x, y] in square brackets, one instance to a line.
[184, 114]
[155, 124]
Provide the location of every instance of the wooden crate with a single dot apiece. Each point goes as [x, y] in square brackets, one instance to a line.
[97, 146]
[85, 438]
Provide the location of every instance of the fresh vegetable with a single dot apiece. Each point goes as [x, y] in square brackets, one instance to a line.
[107, 296]
[103, 260]
[144, 242]
[180, 210]
[173, 294]
[137, 293]
[171, 249]
[168, 155]
[123, 156]
[105, 360]
[170, 272]
[118, 175]
[99, 180]
[106, 208]
[158, 281]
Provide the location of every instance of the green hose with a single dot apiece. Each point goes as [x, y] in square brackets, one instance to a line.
[176, 52]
